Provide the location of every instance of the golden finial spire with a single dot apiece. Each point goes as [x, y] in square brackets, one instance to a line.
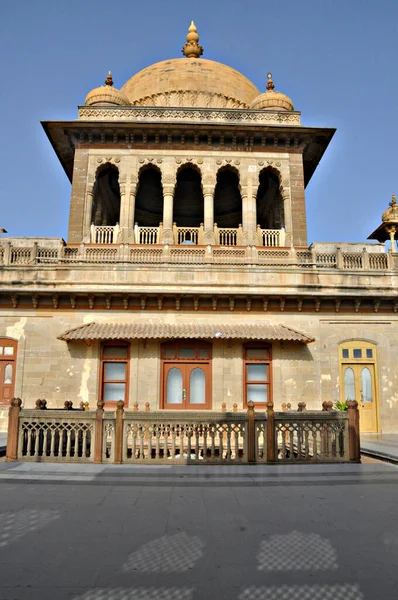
[393, 200]
[270, 83]
[109, 80]
[192, 49]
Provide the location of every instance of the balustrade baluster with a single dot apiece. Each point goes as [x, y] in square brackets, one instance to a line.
[133, 444]
[189, 434]
[213, 445]
[29, 444]
[68, 443]
[228, 454]
[221, 448]
[315, 444]
[204, 441]
[182, 433]
[197, 434]
[149, 454]
[37, 441]
[52, 444]
[291, 442]
[76, 447]
[141, 434]
[157, 445]
[173, 443]
[45, 442]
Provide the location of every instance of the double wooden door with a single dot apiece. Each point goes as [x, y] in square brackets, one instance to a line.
[186, 386]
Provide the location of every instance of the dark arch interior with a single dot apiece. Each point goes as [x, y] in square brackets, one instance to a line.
[149, 199]
[106, 201]
[227, 200]
[269, 202]
[188, 199]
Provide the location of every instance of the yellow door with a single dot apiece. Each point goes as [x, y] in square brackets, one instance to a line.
[359, 385]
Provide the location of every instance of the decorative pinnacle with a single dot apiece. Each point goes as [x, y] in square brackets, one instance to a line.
[109, 80]
[270, 83]
[192, 49]
[393, 200]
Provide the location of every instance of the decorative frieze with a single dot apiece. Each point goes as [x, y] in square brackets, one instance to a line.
[189, 115]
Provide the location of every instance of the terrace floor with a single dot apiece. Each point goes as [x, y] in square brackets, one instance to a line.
[109, 532]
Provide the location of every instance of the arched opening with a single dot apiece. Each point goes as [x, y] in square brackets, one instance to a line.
[106, 198]
[188, 209]
[227, 199]
[269, 201]
[149, 199]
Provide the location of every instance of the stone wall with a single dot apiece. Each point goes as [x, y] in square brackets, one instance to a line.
[52, 369]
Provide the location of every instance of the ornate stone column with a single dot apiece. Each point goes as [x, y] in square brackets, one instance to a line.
[124, 208]
[168, 197]
[209, 184]
[131, 211]
[88, 209]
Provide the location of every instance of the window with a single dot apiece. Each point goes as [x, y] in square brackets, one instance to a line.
[257, 374]
[114, 373]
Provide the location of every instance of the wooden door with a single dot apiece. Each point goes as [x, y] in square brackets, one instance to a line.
[359, 384]
[8, 351]
[186, 386]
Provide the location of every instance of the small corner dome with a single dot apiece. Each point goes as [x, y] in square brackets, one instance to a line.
[391, 214]
[272, 99]
[107, 95]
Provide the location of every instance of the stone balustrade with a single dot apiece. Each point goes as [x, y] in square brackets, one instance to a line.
[33, 253]
[182, 437]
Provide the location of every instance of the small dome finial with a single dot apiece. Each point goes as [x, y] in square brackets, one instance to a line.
[270, 83]
[192, 49]
[393, 200]
[109, 80]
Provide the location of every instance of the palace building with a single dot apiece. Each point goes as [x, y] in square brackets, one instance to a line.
[187, 280]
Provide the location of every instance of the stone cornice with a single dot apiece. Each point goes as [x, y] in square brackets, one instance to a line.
[229, 116]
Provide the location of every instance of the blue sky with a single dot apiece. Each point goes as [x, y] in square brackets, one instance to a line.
[336, 59]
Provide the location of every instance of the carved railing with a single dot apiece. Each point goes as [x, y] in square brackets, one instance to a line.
[228, 236]
[188, 235]
[147, 235]
[185, 437]
[270, 237]
[104, 234]
[56, 435]
[224, 253]
[182, 437]
[311, 437]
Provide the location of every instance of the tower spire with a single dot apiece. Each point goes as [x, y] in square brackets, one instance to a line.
[192, 49]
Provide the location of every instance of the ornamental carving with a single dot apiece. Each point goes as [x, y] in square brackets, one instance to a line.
[189, 115]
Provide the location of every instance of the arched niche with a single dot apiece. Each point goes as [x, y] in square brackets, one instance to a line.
[106, 196]
[227, 199]
[269, 201]
[188, 206]
[149, 198]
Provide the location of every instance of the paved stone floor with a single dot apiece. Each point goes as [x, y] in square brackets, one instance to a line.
[381, 444]
[88, 532]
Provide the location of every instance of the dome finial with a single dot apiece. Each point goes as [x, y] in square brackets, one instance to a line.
[393, 200]
[270, 83]
[109, 80]
[192, 49]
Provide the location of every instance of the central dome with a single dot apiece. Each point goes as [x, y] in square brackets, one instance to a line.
[190, 82]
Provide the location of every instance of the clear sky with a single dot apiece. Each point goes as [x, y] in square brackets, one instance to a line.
[336, 59]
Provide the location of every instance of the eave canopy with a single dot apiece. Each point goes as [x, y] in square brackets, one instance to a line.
[161, 331]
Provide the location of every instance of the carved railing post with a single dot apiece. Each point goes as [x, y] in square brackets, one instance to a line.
[339, 258]
[353, 431]
[251, 445]
[270, 432]
[99, 416]
[119, 432]
[13, 429]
